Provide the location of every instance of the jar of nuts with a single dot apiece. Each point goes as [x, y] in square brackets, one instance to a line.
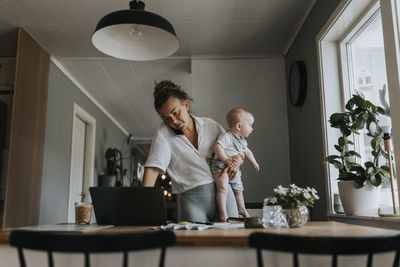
[83, 212]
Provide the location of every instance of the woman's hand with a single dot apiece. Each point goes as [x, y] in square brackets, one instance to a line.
[230, 162]
[232, 170]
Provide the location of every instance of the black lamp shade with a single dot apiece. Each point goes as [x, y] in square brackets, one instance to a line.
[135, 35]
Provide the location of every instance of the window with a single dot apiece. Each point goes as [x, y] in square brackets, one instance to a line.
[364, 71]
[358, 51]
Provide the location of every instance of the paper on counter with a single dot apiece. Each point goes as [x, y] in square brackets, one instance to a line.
[63, 227]
[200, 227]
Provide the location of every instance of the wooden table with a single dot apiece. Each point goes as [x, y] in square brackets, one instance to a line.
[239, 237]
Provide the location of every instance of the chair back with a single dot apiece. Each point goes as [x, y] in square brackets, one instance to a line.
[325, 246]
[90, 243]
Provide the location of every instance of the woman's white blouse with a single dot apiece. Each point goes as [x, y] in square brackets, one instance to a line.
[187, 166]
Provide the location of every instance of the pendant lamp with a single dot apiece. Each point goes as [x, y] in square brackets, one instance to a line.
[135, 34]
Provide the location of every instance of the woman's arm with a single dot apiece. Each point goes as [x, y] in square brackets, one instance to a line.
[231, 171]
[150, 176]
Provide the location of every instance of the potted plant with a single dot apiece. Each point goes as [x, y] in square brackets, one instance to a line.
[115, 171]
[358, 184]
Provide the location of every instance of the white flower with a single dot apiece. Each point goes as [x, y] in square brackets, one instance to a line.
[280, 190]
[306, 195]
[266, 201]
[314, 193]
[273, 200]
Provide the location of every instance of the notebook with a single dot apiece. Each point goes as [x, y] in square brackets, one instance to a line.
[129, 205]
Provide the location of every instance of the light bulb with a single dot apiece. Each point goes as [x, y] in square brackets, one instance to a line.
[163, 176]
[136, 32]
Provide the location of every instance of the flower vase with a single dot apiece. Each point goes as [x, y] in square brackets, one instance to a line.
[296, 217]
[273, 217]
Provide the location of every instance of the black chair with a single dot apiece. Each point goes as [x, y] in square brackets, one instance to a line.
[90, 243]
[324, 246]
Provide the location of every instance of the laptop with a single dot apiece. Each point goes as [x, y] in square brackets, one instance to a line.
[129, 205]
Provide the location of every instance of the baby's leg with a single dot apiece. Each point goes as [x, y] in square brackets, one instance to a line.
[222, 183]
[240, 203]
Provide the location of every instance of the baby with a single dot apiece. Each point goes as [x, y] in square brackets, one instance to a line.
[228, 145]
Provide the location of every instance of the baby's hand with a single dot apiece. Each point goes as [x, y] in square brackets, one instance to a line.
[230, 162]
[256, 167]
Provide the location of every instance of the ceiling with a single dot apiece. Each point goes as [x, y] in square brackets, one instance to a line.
[219, 28]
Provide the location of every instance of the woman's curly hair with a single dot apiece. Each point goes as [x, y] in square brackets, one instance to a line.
[165, 89]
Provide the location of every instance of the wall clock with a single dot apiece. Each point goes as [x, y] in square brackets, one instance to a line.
[297, 83]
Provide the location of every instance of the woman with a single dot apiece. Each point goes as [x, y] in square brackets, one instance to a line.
[182, 146]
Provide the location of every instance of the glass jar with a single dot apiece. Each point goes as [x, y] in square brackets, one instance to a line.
[296, 217]
[83, 212]
[273, 217]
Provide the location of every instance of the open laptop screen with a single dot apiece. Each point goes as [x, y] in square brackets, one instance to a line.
[129, 205]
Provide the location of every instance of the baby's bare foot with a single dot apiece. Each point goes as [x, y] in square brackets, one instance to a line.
[223, 217]
[244, 213]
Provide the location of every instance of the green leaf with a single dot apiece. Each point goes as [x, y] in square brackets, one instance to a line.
[358, 169]
[338, 148]
[337, 164]
[381, 110]
[350, 104]
[353, 154]
[359, 123]
[359, 101]
[375, 142]
[369, 164]
[376, 179]
[337, 117]
[358, 185]
[328, 158]
[386, 168]
[346, 131]
[368, 104]
[348, 142]
[383, 171]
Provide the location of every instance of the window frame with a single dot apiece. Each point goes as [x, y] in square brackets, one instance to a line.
[346, 57]
[343, 22]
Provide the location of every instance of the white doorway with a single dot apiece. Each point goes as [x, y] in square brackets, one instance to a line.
[82, 159]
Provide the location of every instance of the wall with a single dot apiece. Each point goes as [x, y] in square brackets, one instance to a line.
[257, 84]
[305, 129]
[62, 94]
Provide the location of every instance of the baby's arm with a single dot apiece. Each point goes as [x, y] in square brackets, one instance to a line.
[250, 157]
[219, 151]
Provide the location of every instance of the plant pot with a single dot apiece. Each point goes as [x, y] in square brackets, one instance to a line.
[362, 201]
[107, 180]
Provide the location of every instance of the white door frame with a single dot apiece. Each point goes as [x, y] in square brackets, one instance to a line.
[89, 156]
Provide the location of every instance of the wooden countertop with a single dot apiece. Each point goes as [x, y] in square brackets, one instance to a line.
[239, 237]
